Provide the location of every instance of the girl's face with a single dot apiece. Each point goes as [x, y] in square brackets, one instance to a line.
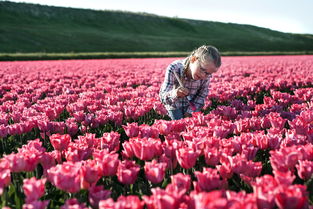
[201, 70]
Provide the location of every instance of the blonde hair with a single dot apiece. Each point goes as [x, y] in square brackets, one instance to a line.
[203, 53]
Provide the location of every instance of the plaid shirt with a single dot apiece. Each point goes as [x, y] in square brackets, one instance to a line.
[198, 89]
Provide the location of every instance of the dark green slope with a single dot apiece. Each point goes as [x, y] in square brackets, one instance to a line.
[36, 28]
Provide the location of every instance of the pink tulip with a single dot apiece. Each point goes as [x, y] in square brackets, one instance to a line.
[164, 127]
[146, 148]
[90, 173]
[284, 159]
[66, 176]
[181, 182]
[264, 190]
[33, 189]
[110, 141]
[306, 151]
[223, 131]
[36, 204]
[127, 150]
[292, 138]
[170, 147]
[72, 128]
[178, 126]
[213, 199]
[131, 129]
[249, 152]
[241, 200]
[130, 201]
[88, 140]
[274, 141]
[123, 202]
[160, 199]
[284, 178]
[3, 131]
[146, 131]
[108, 161]
[60, 142]
[96, 194]
[159, 108]
[127, 172]
[292, 197]
[209, 179]
[305, 169]
[48, 160]
[276, 121]
[73, 203]
[170, 163]
[44, 126]
[23, 162]
[116, 117]
[186, 157]
[77, 152]
[5, 179]
[79, 116]
[154, 171]
[228, 164]
[212, 156]
[225, 170]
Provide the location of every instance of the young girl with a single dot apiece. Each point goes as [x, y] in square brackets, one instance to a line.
[186, 82]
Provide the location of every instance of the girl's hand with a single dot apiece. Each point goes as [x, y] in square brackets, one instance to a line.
[182, 92]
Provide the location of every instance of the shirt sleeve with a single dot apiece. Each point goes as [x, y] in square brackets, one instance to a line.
[200, 97]
[167, 94]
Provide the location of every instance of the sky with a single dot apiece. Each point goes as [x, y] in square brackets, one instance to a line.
[292, 16]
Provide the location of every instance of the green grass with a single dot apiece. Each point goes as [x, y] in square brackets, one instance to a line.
[106, 55]
[32, 28]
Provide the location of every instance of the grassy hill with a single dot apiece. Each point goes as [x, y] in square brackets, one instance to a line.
[29, 28]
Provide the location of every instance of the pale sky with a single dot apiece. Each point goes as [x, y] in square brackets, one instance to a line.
[293, 16]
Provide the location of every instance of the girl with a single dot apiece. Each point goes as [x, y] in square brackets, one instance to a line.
[186, 82]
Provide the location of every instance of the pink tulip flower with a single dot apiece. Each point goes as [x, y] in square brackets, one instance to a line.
[209, 179]
[131, 129]
[110, 141]
[90, 173]
[96, 194]
[127, 172]
[146, 148]
[123, 202]
[36, 204]
[66, 176]
[108, 161]
[60, 142]
[292, 197]
[160, 199]
[5, 179]
[186, 157]
[73, 203]
[305, 169]
[154, 171]
[33, 188]
[181, 181]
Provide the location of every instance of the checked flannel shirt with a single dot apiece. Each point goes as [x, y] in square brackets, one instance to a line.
[198, 89]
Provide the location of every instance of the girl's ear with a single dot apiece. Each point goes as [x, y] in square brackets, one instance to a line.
[193, 59]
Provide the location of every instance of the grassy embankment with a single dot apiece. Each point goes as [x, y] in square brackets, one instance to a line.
[29, 31]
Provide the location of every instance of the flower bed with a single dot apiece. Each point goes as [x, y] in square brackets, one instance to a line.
[93, 134]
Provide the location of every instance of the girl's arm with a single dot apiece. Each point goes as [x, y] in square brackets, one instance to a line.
[199, 99]
[167, 92]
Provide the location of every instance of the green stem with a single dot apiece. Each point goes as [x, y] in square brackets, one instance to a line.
[131, 188]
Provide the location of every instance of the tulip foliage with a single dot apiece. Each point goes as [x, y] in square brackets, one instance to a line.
[94, 134]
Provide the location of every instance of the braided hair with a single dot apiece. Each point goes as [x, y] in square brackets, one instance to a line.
[203, 53]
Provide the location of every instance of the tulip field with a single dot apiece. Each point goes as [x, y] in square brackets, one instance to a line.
[94, 134]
